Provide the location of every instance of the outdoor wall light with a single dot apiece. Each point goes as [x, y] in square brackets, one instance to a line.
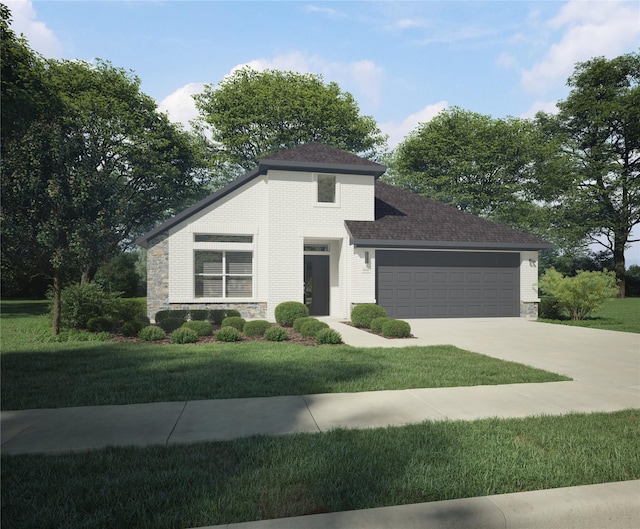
[366, 258]
[532, 262]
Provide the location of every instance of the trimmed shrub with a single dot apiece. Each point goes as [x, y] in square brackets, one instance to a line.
[298, 322]
[100, 324]
[184, 335]
[232, 313]
[199, 315]
[169, 325]
[396, 329]
[363, 315]
[217, 315]
[256, 328]
[152, 334]
[201, 328]
[311, 327]
[377, 323]
[130, 329]
[276, 334]
[172, 313]
[228, 334]
[287, 312]
[328, 337]
[234, 321]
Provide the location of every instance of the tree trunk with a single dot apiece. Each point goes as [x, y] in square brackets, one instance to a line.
[57, 289]
[619, 263]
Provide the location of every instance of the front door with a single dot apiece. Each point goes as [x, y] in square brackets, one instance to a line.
[316, 284]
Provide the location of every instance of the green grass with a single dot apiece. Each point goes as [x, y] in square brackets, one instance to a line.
[37, 374]
[614, 315]
[272, 477]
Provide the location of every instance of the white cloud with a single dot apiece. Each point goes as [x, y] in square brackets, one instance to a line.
[506, 60]
[362, 78]
[549, 107]
[40, 37]
[589, 29]
[180, 106]
[398, 131]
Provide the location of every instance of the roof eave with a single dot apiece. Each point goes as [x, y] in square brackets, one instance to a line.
[448, 245]
[286, 165]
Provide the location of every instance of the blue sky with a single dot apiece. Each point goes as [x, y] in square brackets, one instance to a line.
[403, 61]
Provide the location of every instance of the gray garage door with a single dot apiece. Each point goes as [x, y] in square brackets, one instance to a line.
[448, 284]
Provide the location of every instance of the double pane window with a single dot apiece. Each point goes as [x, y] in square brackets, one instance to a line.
[223, 274]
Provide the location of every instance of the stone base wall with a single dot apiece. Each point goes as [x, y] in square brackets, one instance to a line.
[529, 310]
[249, 311]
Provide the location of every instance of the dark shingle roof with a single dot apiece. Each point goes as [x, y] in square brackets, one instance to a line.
[403, 219]
[319, 157]
[320, 153]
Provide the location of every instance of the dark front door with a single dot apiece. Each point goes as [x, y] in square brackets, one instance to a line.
[316, 284]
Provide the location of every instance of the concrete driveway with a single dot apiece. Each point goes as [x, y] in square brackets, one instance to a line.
[587, 355]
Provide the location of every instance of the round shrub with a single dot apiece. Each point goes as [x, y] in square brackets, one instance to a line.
[172, 313]
[362, 315]
[310, 328]
[276, 334]
[396, 329]
[287, 312]
[169, 325]
[201, 328]
[234, 321]
[100, 324]
[232, 313]
[228, 334]
[328, 337]
[298, 322]
[256, 328]
[198, 314]
[217, 315]
[377, 323]
[184, 335]
[152, 334]
[130, 329]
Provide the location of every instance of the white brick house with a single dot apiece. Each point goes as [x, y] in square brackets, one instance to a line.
[312, 224]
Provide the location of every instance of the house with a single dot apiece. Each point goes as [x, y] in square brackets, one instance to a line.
[313, 224]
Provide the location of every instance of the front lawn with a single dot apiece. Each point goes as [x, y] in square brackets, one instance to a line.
[614, 315]
[271, 477]
[37, 374]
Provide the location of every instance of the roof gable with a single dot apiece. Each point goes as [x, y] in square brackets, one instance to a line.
[305, 158]
[404, 219]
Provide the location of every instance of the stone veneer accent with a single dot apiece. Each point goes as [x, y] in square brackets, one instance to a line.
[158, 274]
[529, 310]
[158, 286]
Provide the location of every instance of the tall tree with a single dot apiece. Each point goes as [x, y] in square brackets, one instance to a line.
[486, 166]
[255, 113]
[601, 122]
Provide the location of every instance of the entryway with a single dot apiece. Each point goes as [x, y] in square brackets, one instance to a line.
[316, 284]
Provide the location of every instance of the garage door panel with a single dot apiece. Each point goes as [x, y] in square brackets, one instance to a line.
[449, 291]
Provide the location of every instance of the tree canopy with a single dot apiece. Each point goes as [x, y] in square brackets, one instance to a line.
[600, 121]
[253, 113]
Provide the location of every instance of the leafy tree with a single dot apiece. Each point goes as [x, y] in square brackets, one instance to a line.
[253, 113]
[600, 121]
[486, 166]
[579, 295]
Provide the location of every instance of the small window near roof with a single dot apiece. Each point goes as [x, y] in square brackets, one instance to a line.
[326, 188]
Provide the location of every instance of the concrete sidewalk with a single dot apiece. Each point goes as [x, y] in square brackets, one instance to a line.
[605, 367]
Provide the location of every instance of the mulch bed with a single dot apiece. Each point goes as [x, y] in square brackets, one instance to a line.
[294, 337]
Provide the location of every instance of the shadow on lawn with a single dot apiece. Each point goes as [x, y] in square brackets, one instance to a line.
[115, 373]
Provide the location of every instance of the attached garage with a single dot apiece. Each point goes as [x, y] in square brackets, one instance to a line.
[423, 284]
